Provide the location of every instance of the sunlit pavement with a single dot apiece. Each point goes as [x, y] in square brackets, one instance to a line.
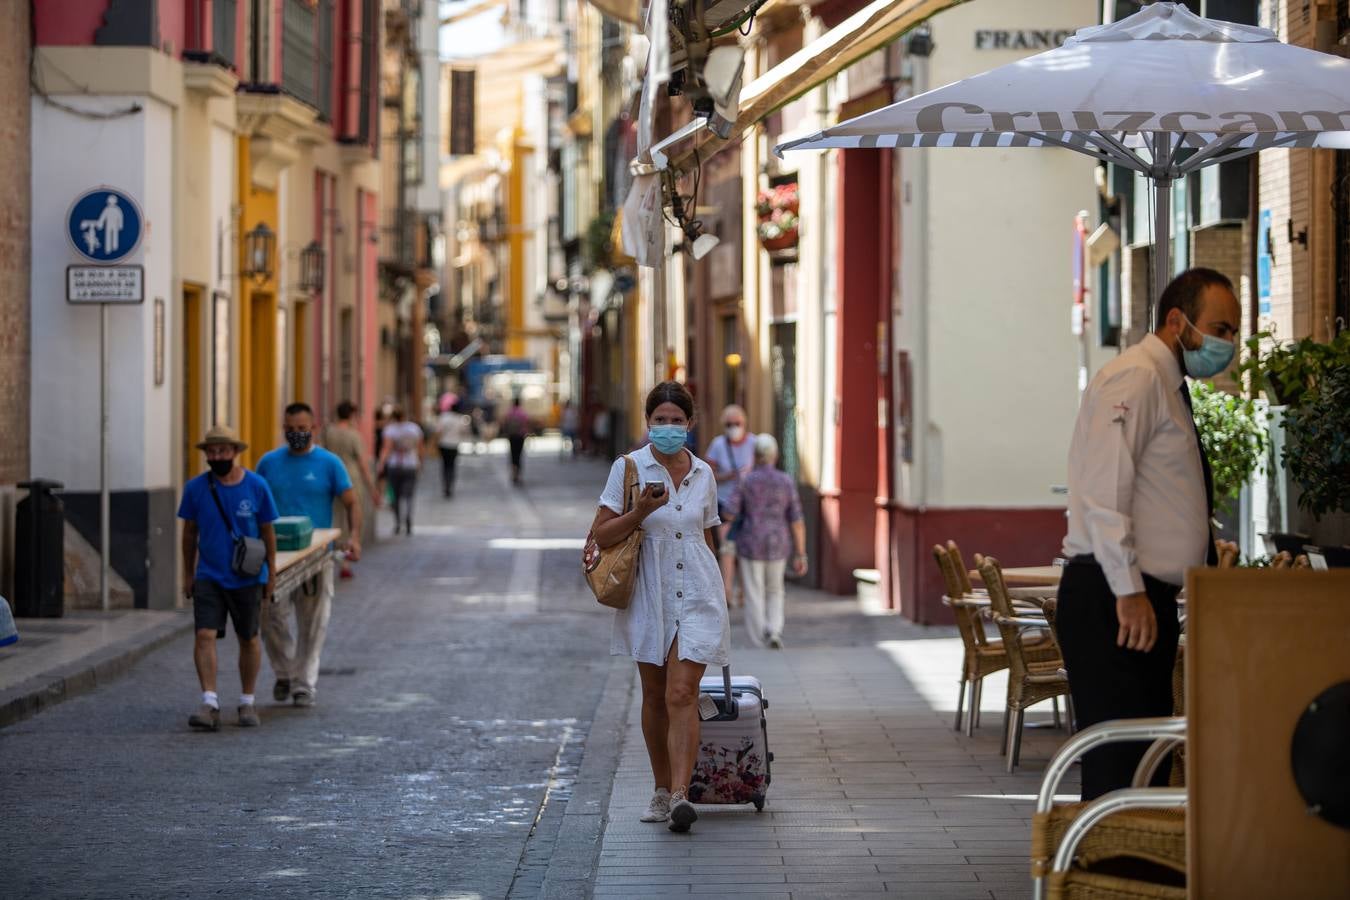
[873, 792]
[462, 669]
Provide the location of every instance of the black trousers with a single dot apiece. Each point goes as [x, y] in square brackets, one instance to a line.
[1110, 682]
[448, 457]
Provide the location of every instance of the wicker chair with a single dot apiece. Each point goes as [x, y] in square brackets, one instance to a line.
[1029, 682]
[982, 656]
[1127, 844]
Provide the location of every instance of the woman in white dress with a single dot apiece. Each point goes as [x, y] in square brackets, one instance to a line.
[677, 623]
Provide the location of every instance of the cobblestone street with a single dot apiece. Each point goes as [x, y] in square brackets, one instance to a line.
[461, 672]
[474, 740]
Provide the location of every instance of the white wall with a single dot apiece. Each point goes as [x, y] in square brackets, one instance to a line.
[71, 155]
[994, 276]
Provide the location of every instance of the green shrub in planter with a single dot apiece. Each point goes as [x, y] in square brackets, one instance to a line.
[1317, 448]
[1234, 436]
[1286, 372]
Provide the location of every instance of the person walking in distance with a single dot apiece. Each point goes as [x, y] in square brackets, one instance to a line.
[731, 455]
[770, 512]
[676, 624]
[219, 506]
[305, 480]
[400, 459]
[344, 441]
[452, 429]
[1140, 504]
[517, 429]
[569, 422]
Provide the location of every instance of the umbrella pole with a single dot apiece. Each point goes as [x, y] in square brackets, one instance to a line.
[1162, 220]
[1162, 241]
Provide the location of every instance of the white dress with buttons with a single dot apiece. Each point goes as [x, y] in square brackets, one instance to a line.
[679, 585]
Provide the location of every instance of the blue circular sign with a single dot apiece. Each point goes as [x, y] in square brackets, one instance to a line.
[104, 225]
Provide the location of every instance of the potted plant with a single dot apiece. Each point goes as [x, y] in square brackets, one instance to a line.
[1234, 437]
[778, 211]
[1317, 443]
[1286, 371]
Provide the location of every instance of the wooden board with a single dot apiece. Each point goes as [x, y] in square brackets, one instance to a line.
[1260, 645]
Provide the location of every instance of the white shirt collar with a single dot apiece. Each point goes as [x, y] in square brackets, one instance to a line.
[1164, 359]
[647, 460]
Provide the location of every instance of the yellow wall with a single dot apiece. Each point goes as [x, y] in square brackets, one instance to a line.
[257, 352]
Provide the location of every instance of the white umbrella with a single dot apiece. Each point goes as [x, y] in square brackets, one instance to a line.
[1164, 92]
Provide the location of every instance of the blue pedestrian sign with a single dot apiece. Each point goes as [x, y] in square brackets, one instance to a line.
[104, 225]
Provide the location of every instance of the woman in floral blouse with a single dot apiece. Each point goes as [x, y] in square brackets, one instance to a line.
[770, 511]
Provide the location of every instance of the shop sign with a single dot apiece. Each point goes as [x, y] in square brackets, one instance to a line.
[1021, 38]
[105, 284]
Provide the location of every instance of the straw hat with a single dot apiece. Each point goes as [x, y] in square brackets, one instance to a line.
[222, 435]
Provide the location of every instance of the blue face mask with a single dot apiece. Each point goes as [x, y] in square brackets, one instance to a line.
[1210, 358]
[667, 438]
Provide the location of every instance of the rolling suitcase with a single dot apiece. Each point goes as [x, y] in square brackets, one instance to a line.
[733, 765]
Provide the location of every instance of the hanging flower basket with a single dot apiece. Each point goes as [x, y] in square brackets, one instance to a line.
[778, 217]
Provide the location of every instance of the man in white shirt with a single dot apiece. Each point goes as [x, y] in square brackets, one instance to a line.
[1140, 502]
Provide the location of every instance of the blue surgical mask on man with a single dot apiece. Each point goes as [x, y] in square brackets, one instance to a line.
[667, 438]
[1210, 358]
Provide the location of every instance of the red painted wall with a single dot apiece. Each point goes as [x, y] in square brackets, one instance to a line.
[173, 24]
[67, 23]
[1016, 537]
[848, 512]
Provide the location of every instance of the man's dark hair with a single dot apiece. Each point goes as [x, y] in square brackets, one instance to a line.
[1184, 292]
[346, 409]
[671, 392]
[296, 409]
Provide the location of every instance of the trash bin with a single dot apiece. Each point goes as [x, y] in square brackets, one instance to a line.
[40, 548]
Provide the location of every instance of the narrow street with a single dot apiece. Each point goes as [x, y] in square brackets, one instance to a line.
[461, 672]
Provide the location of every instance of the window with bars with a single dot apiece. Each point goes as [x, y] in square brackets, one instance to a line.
[307, 59]
[224, 14]
[299, 61]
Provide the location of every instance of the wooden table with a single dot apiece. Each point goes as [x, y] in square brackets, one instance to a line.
[295, 567]
[1029, 576]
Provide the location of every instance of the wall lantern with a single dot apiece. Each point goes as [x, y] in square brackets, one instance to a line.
[260, 250]
[311, 268]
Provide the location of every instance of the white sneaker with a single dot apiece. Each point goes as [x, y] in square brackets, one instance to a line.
[659, 809]
[682, 813]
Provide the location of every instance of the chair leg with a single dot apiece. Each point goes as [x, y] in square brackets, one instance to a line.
[1014, 740]
[1007, 720]
[973, 717]
[979, 700]
[1069, 714]
[1054, 705]
[960, 701]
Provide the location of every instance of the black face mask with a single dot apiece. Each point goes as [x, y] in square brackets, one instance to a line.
[221, 467]
[299, 440]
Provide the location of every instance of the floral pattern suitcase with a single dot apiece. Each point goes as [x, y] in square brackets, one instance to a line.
[734, 761]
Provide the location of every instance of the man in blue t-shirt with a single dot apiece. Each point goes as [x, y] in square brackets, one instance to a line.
[305, 480]
[217, 506]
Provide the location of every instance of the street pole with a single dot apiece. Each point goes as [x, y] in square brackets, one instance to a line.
[104, 501]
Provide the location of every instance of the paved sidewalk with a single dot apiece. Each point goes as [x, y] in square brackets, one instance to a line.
[56, 659]
[873, 792]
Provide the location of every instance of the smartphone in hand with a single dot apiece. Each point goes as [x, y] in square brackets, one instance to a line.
[657, 488]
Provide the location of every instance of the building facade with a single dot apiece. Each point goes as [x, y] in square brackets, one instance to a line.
[247, 136]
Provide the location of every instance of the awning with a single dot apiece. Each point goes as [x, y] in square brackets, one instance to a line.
[627, 11]
[866, 31]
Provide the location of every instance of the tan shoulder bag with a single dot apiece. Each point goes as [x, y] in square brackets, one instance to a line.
[612, 572]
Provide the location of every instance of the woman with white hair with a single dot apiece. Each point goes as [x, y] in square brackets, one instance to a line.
[771, 532]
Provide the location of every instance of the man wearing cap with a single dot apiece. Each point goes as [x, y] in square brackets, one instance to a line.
[218, 506]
